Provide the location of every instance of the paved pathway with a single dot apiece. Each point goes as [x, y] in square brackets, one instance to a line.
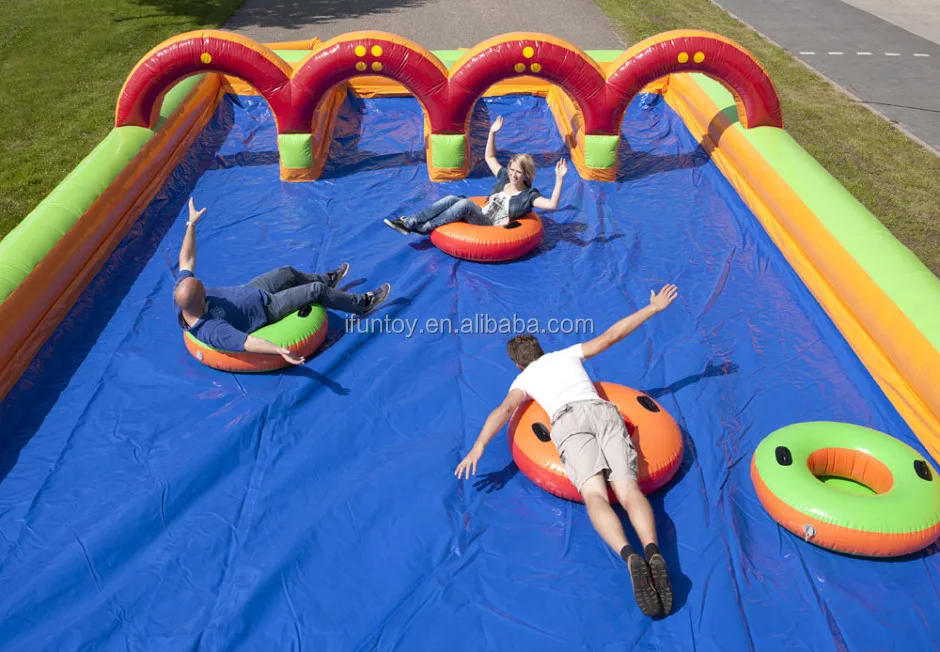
[892, 70]
[884, 52]
[434, 24]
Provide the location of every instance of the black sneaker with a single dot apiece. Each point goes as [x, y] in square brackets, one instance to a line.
[661, 582]
[643, 591]
[376, 297]
[338, 274]
[398, 225]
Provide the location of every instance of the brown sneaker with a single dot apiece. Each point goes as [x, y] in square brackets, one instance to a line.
[660, 575]
[398, 225]
[338, 274]
[643, 591]
[376, 297]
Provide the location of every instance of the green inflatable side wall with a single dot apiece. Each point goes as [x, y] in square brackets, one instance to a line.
[891, 265]
[26, 245]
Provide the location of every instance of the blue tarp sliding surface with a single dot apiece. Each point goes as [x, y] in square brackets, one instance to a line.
[150, 503]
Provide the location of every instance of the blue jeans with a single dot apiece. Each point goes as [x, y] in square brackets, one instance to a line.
[444, 211]
[289, 290]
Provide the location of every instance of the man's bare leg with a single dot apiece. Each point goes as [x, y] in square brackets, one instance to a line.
[602, 514]
[638, 509]
[608, 526]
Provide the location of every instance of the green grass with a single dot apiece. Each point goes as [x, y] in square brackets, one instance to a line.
[892, 176]
[62, 65]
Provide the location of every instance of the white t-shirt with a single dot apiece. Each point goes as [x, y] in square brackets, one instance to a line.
[556, 379]
[497, 208]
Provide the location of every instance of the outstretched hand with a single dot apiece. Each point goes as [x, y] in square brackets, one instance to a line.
[289, 355]
[194, 215]
[469, 462]
[497, 125]
[665, 296]
[561, 168]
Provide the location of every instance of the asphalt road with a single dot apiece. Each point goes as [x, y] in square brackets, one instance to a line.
[889, 69]
[434, 24]
[889, 59]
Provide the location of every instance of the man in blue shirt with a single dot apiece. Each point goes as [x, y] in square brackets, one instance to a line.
[225, 317]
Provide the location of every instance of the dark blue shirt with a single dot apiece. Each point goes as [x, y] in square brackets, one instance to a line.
[232, 313]
[519, 204]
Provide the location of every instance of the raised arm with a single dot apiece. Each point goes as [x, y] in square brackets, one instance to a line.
[658, 303]
[561, 168]
[490, 155]
[188, 249]
[494, 423]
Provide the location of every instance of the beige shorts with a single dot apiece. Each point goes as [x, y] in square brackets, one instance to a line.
[591, 438]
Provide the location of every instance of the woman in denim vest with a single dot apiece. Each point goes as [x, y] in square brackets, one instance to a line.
[512, 197]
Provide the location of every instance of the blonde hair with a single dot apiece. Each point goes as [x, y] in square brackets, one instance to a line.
[528, 167]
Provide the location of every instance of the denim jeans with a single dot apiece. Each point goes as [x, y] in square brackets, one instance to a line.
[444, 211]
[289, 290]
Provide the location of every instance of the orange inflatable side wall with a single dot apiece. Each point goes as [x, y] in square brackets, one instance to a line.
[33, 311]
[898, 356]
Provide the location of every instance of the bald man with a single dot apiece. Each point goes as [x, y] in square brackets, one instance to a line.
[225, 317]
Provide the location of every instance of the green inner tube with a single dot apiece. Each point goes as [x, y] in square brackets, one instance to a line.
[911, 504]
[293, 329]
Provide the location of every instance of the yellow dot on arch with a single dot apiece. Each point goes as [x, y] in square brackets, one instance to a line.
[360, 50]
[361, 66]
[376, 50]
[376, 66]
[683, 57]
[536, 67]
[699, 57]
[527, 52]
[206, 57]
[520, 67]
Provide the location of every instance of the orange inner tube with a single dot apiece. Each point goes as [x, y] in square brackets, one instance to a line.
[655, 434]
[489, 243]
[245, 362]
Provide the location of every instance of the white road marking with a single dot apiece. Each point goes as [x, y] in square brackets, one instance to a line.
[865, 54]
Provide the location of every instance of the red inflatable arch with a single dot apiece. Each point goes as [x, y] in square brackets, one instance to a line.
[694, 51]
[369, 53]
[448, 97]
[524, 53]
[198, 52]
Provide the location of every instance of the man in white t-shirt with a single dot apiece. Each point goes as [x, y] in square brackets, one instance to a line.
[593, 443]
